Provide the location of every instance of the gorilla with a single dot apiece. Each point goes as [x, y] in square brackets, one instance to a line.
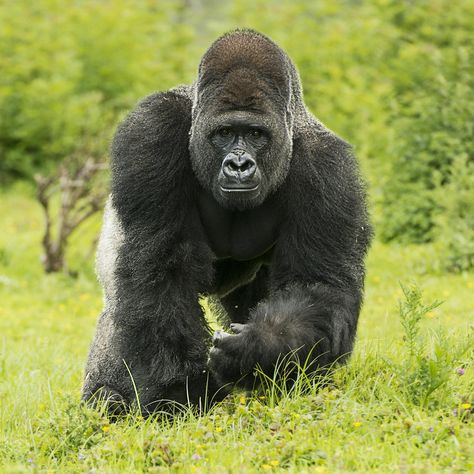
[227, 188]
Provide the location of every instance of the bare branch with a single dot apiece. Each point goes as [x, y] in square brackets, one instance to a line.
[80, 197]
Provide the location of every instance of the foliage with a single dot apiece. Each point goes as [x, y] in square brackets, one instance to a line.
[456, 217]
[433, 122]
[394, 78]
[67, 71]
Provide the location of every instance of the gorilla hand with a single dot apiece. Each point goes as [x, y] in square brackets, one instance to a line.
[299, 327]
[234, 356]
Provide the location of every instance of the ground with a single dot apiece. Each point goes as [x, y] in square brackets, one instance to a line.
[403, 404]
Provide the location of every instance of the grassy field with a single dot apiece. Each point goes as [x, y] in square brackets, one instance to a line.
[403, 404]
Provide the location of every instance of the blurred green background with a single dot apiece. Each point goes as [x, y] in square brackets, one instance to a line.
[394, 78]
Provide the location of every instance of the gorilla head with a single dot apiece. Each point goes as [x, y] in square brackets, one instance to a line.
[241, 137]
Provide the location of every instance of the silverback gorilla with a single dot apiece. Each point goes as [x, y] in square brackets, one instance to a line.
[231, 188]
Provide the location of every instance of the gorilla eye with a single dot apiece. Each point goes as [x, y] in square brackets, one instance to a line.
[224, 132]
[255, 133]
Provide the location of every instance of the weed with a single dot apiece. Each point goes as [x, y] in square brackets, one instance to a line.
[432, 358]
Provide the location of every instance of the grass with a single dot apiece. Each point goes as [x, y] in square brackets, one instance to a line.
[403, 404]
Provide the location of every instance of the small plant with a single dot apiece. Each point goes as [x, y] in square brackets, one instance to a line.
[431, 360]
[412, 310]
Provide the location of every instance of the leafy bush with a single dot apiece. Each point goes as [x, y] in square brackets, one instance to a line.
[69, 72]
[393, 78]
[433, 121]
[456, 219]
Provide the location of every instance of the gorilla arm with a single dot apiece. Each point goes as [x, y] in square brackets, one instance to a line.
[316, 272]
[152, 324]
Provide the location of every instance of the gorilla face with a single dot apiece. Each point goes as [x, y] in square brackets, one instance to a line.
[240, 156]
[238, 143]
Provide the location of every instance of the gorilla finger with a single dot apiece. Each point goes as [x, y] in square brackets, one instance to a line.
[237, 328]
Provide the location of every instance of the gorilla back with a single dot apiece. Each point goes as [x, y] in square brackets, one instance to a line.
[229, 187]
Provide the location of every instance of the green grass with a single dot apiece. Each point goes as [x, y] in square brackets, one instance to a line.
[389, 410]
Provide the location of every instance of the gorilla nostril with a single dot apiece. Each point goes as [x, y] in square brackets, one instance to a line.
[248, 170]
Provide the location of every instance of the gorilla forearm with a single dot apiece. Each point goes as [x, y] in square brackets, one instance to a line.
[316, 323]
[162, 356]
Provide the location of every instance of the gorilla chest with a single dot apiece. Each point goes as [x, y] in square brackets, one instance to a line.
[240, 235]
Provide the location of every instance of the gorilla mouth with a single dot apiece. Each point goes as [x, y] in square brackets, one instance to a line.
[239, 189]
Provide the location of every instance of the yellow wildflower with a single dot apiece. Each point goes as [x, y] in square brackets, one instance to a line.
[466, 406]
[356, 424]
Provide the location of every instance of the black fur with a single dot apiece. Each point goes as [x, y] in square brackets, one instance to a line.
[297, 248]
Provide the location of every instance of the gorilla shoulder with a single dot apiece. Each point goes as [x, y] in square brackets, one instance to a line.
[150, 155]
[156, 119]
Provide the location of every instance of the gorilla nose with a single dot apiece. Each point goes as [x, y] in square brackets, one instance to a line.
[239, 167]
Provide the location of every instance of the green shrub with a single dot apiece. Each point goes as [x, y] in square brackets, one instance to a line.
[67, 71]
[393, 78]
[456, 219]
[433, 120]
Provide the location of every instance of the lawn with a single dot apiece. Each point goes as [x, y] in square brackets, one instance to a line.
[402, 404]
